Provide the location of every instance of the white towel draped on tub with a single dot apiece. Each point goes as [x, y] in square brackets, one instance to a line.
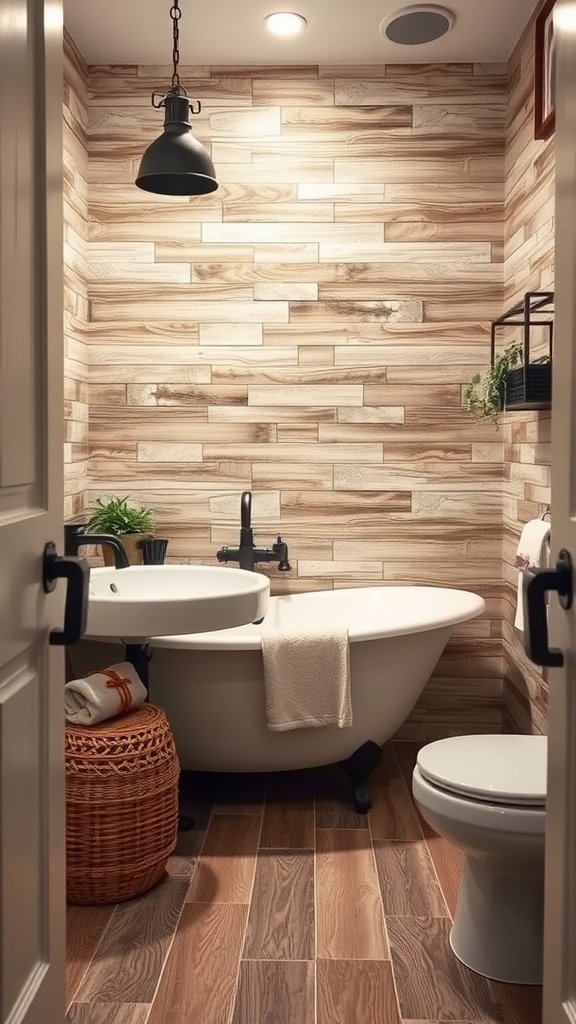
[102, 695]
[532, 553]
[307, 677]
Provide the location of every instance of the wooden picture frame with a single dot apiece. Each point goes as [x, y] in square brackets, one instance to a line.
[544, 73]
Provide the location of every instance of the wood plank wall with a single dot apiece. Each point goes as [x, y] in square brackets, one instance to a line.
[75, 212]
[306, 332]
[529, 265]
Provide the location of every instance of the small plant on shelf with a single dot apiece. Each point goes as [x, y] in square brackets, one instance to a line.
[118, 517]
[485, 395]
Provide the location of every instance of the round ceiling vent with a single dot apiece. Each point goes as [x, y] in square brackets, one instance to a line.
[421, 23]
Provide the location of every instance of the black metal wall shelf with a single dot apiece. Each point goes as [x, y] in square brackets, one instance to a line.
[529, 386]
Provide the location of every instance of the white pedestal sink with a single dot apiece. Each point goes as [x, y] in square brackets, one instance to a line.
[143, 601]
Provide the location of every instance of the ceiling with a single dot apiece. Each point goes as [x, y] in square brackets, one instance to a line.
[232, 32]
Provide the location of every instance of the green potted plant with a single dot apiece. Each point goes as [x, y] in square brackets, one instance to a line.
[132, 524]
[502, 386]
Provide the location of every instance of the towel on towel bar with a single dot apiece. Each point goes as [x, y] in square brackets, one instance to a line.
[307, 677]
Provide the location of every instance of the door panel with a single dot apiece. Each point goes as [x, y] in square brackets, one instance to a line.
[560, 927]
[31, 500]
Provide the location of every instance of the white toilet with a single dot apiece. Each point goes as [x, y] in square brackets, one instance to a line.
[487, 794]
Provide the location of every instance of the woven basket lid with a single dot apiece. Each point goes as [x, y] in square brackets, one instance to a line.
[132, 742]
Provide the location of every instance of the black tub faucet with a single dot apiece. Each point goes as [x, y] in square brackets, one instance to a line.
[75, 538]
[246, 554]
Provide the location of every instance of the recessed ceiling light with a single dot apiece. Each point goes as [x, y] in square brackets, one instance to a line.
[420, 23]
[285, 23]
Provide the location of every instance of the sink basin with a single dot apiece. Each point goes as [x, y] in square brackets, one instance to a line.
[150, 600]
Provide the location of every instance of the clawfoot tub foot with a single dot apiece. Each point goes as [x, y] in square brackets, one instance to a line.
[358, 767]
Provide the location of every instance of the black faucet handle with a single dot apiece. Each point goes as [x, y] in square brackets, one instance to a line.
[281, 548]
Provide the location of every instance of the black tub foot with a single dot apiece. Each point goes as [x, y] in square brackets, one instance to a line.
[358, 767]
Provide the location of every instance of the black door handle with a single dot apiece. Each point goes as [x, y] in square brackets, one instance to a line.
[77, 573]
[535, 585]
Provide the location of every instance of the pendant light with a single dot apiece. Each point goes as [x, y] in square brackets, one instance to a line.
[176, 164]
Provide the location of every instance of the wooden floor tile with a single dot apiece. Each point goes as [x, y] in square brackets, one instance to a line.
[356, 992]
[84, 929]
[432, 984]
[226, 869]
[408, 882]
[199, 980]
[185, 856]
[108, 1013]
[275, 993]
[129, 959]
[289, 814]
[448, 863]
[281, 922]
[350, 923]
[393, 815]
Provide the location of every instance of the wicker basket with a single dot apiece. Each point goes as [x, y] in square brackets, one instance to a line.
[121, 806]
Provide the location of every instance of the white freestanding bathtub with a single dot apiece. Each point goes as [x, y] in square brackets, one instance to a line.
[211, 685]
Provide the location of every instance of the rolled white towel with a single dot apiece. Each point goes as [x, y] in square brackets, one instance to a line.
[101, 695]
[532, 553]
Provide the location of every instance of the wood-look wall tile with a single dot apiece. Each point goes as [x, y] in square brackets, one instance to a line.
[293, 92]
[202, 310]
[302, 232]
[350, 924]
[296, 290]
[281, 415]
[275, 993]
[166, 452]
[226, 871]
[356, 990]
[293, 475]
[235, 309]
[270, 395]
[199, 981]
[252, 212]
[281, 920]
[316, 122]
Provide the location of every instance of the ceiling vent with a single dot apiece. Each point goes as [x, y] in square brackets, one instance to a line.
[421, 23]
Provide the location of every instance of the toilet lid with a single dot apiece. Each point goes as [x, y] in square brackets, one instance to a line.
[497, 769]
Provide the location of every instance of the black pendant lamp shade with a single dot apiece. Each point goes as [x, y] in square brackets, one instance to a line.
[176, 164]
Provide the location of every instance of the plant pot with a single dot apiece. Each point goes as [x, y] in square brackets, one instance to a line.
[132, 545]
[538, 389]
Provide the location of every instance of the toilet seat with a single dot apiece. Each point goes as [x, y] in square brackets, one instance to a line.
[497, 769]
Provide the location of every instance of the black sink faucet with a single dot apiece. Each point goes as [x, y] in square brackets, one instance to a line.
[246, 554]
[75, 538]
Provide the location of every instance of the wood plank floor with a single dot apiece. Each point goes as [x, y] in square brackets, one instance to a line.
[283, 906]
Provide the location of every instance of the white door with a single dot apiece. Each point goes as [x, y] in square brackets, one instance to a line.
[31, 498]
[560, 926]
